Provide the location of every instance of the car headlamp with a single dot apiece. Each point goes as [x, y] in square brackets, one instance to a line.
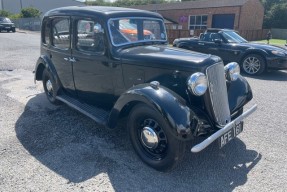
[278, 53]
[232, 71]
[197, 83]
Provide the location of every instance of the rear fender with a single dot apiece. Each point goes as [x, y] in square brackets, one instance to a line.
[45, 63]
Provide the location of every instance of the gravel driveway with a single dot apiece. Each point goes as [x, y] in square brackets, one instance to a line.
[55, 148]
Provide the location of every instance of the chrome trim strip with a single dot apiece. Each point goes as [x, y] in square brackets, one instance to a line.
[216, 135]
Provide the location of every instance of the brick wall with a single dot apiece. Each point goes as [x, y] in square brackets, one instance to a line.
[176, 14]
[247, 17]
[252, 14]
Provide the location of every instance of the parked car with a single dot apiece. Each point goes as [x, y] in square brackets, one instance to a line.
[170, 96]
[254, 58]
[7, 25]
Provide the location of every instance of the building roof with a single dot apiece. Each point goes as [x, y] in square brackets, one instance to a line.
[192, 5]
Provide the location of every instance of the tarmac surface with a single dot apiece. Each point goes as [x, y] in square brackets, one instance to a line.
[55, 148]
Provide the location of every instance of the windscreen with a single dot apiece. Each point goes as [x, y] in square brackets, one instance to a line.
[233, 37]
[131, 30]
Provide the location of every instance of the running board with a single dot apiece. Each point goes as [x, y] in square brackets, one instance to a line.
[97, 114]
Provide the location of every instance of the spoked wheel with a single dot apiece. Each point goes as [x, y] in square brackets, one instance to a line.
[253, 64]
[50, 87]
[152, 139]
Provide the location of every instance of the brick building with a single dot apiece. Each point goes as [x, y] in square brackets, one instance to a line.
[191, 15]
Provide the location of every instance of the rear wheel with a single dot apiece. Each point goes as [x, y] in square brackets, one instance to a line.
[50, 87]
[152, 140]
[253, 64]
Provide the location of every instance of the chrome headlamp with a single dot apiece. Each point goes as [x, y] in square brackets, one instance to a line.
[197, 84]
[278, 53]
[232, 71]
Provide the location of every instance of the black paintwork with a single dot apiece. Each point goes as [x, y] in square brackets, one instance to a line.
[117, 78]
[233, 52]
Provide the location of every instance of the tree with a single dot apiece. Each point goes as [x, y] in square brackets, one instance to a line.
[276, 17]
[30, 12]
[4, 13]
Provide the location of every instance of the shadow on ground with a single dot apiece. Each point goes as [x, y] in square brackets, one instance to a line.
[271, 75]
[77, 149]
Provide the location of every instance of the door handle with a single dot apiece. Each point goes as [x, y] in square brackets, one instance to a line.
[71, 59]
[200, 43]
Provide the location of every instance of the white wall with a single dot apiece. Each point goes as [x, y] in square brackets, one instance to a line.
[14, 6]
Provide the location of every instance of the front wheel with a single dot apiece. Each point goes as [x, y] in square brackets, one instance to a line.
[152, 140]
[50, 87]
[253, 64]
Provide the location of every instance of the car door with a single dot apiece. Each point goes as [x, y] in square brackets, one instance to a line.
[60, 51]
[93, 75]
[213, 43]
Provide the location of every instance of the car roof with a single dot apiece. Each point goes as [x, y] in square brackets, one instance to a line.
[101, 11]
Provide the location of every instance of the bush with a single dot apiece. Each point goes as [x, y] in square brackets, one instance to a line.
[4, 13]
[30, 12]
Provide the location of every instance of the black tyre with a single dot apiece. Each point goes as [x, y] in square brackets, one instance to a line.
[253, 64]
[13, 30]
[152, 140]
[50, 87]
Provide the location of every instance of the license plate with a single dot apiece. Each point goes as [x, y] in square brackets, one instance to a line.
[7, 27]
[231, 134]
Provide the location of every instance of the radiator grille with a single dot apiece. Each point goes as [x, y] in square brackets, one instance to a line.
[218, 93]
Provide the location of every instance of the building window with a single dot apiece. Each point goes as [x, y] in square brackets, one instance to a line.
[197, 22]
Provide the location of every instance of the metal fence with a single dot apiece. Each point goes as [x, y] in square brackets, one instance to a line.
[31, 24]
[279, 33]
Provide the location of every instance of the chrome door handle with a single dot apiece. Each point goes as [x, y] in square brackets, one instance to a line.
[200, 43]
[71, 59]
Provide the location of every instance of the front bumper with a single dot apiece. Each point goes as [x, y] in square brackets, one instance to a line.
[277, 63]
[7, 27]
[199, 147]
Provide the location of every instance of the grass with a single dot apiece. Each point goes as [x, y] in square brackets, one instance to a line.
[280, 42]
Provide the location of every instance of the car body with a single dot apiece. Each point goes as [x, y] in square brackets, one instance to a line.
[7, 25]
[170, 96]
[254, 58]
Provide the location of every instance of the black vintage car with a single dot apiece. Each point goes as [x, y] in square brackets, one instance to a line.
[254, 58]
[110, 63]
[7, 25]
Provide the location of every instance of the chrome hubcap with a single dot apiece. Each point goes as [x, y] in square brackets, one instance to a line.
[149, 138]
[152, 138]
[49, 86]
[251, 65]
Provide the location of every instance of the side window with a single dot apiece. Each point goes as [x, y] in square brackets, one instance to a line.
[61, 33]
[46, 32]
[90, 36]
[215, 36]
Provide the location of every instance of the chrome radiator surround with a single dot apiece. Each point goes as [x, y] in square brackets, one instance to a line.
[218, 93]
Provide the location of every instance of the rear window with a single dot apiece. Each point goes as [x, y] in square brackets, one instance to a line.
[46, 32]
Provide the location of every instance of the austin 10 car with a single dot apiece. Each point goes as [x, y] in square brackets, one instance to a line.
[109, 63]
